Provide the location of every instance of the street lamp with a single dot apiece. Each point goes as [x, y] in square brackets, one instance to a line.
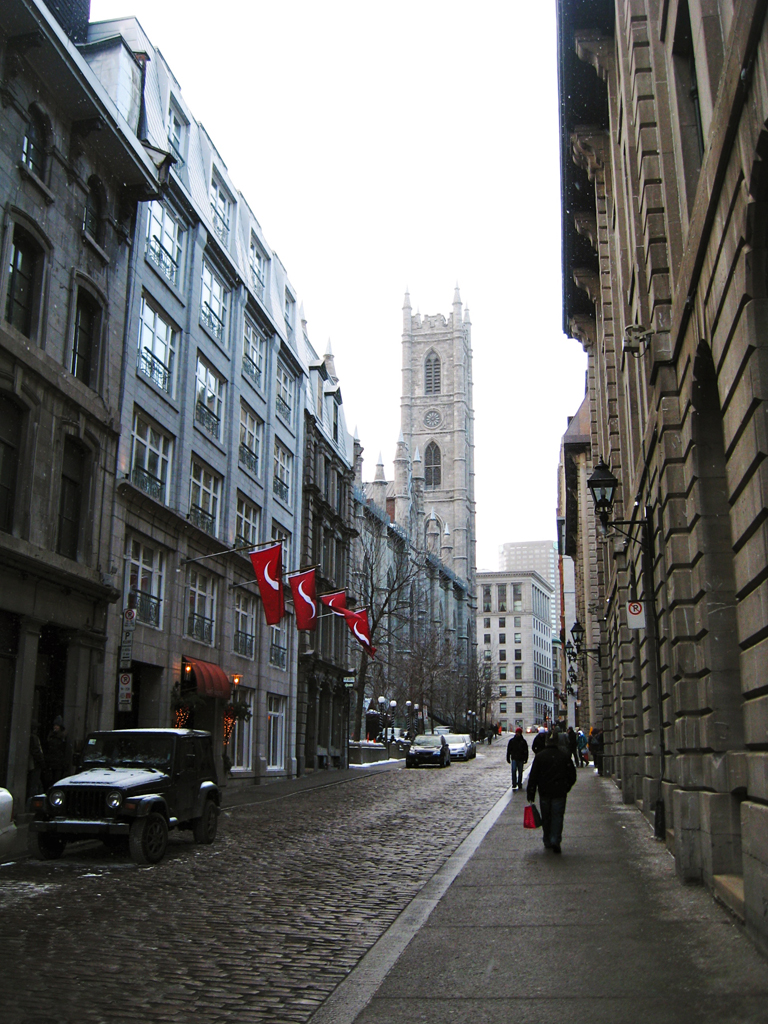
[602, 486]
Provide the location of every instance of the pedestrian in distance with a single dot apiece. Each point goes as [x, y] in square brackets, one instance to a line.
[517, 756]
[596, 748]
[539, 740]
[573, 745]
[583, 754]
[58, 753]
[553, 774]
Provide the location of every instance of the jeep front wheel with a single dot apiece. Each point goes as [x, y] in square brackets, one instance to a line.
[204, 827]
[148, 838]
[49, 847]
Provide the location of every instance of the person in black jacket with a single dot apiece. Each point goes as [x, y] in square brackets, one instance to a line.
[517, 755]
[539, 740]
[553, 773]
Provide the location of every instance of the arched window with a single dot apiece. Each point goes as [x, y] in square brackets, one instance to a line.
[33, 146]
[25, 271]
[432, 464]
[432, 374]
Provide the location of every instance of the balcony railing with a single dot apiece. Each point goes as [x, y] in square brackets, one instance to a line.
[278, 655]
[281, 488]
[249, 458]
[202, 520]
[212, 321]
[165, 263]
[147, 608]
[148, 483]
[200, 628]
[250, 369]
[207, 419]
[155, 369]
[220, 224]
[245, 644]
[283, 408]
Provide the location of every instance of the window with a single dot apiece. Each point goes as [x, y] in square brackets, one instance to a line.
[503, 707]
[241, 740]
[518, 655]
[502, 622]
[258, 262]
[209, 406]
[33, 148]
[201, 606]
[25, 275]
[517, 599]
[253, 352]
[144, 581]
[251, 428]
[245, 625]
[221, 207]
[157, 348]
[518, 691]
[176, 132]
[502, 691]
[284, 394]
[518, 638]
[204, 497]
[502, 655]
[275, 731]
[93, 212]
[283, 468]
[278, 649]
[432, 374]
[335, 423]
[10, 439]
[518, 671]
[71, 498]
[518, 707]
[518, 622]
[248, 523]
[432, 468]
[164, 241]
[84, 363]
[486, 638]
[288, 313]
[487, 600]
[150, 458]
[502, 638]
[502, 597]
[213, 311]
[279, 534]
[486, 623]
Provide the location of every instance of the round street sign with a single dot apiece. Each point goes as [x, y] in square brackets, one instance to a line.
[129, 618]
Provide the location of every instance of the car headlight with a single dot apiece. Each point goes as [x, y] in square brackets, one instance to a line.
[114, 799]
[56, 798]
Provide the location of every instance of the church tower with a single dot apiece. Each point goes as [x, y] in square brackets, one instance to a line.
[437, 419]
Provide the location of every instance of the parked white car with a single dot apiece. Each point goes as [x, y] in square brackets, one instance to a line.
[7, 826]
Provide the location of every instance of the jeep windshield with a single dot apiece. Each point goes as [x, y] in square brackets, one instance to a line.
[128, 750]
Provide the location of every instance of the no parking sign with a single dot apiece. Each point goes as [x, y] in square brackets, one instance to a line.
[636, 615]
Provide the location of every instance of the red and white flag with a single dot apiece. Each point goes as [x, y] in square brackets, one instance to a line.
[361, 630]
[337, 601]
[304, 599]
[268, 566]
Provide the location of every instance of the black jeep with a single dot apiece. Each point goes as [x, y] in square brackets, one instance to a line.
[134, 784]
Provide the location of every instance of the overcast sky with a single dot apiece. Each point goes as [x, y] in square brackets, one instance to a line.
[403, 145]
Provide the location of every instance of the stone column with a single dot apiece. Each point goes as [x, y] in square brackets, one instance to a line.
[21, 714]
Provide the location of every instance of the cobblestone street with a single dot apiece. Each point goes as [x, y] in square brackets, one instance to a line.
[261, 926]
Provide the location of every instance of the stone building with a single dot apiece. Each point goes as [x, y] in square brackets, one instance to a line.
[665, 206]
[326, 538]
[514, 632]
[73, 166]
[210, 457]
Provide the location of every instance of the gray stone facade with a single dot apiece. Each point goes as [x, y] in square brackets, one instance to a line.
[665, 203]
[72, 170]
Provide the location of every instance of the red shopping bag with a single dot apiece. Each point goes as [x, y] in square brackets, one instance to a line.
[531, 816]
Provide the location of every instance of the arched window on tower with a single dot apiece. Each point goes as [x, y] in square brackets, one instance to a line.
[432, 464]
[432, 374]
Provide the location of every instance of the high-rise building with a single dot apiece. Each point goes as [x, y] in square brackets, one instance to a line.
[539, 556]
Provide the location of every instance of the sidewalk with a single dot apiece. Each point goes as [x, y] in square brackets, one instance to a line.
[604, 933]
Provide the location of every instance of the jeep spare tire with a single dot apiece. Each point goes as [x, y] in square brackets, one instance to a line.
[148, 838]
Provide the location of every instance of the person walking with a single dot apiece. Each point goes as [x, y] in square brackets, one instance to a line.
[596, 748]
[553, 773]
[583, 755]
[539, 740]
[573, 745]
[58, 753]
[517, 756]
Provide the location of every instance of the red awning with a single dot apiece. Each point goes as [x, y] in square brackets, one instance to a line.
[210, 680]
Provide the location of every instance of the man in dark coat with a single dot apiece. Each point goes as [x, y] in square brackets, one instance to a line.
[573, 745]
[596, 749]
[553, 773]
[517, 755]
[539, 740]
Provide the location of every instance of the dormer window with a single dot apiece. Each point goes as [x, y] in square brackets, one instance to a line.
[221, 207]
[176, 131]
[258, 263]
